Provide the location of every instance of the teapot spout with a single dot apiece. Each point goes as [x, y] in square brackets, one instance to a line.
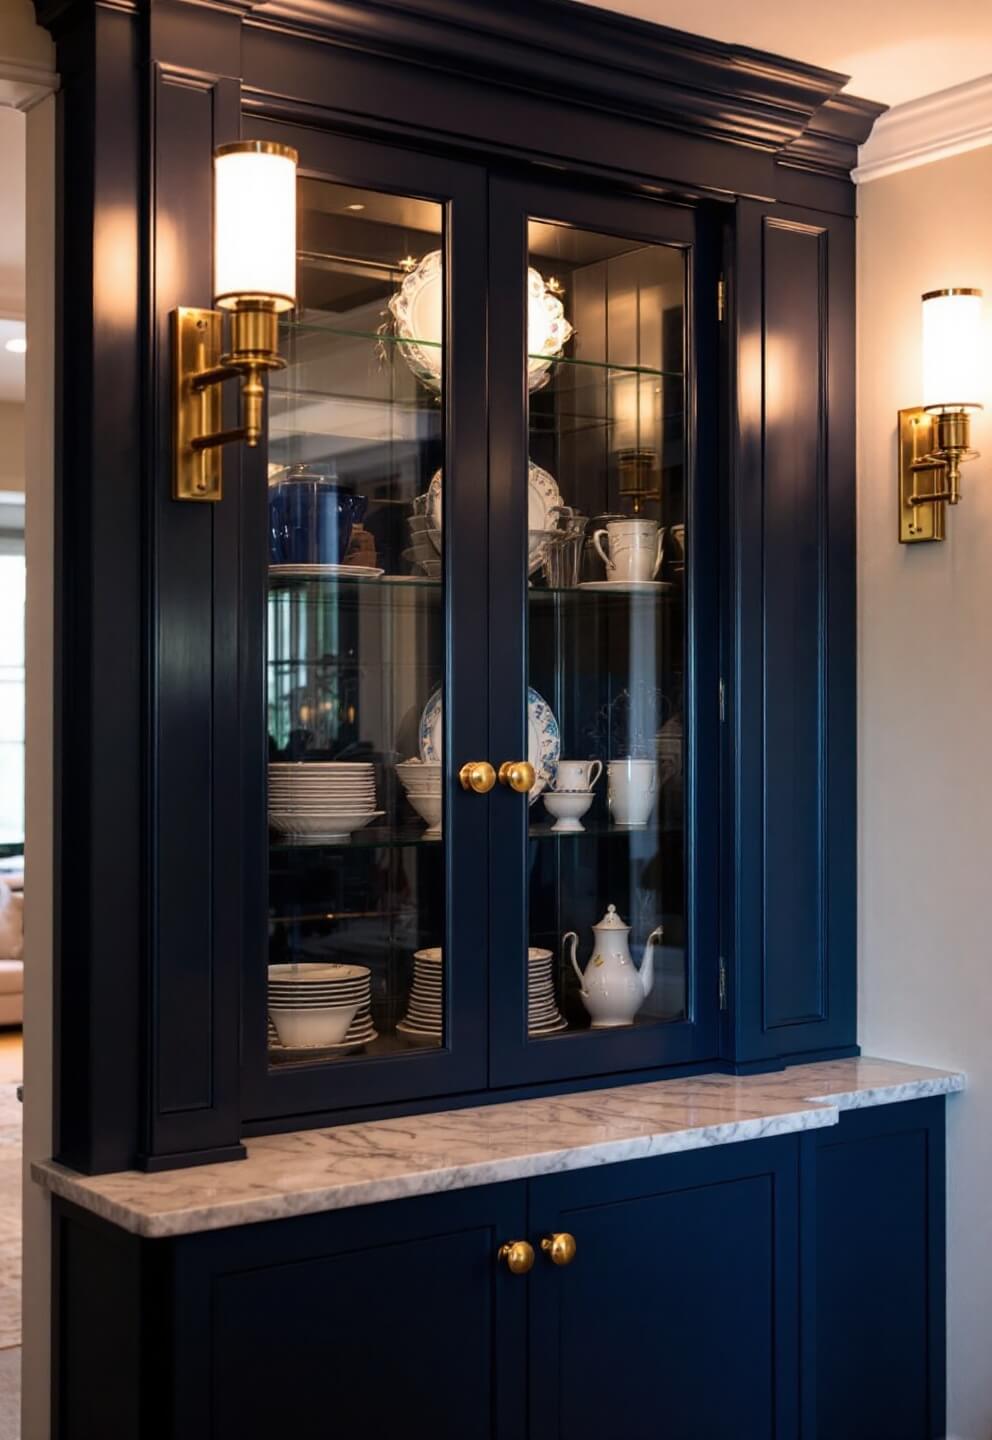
[646, 972]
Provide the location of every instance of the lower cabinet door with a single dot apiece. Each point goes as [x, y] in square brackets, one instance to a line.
[393, 1320]
[677, 1318]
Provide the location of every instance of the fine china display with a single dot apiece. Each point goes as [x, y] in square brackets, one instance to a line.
[544, 503]
[314, 572]
[321, 800]
[423, 1023]
[317, 1005]
[311, 516]
[421, 779]
[630, 587]
[635, 549]
[418, 311]
[543, 1015]
[567, 807]
[633, 789]
[612, 988]
[577, 774]
[543, 737]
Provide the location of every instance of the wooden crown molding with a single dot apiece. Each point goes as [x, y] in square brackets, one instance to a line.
[586, 55]
[934, 127]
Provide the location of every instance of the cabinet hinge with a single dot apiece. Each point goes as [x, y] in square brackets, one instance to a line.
[723, 983]
[723, 701]
[721, 298]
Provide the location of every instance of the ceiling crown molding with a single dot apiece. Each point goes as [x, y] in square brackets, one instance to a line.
[932, 128]
[23, 86]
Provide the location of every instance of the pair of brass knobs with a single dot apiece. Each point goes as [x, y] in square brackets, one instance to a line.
[518, 1255]
[479, 775]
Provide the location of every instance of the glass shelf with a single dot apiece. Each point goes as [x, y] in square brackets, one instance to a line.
[373, 837]
[593, 829]
[391, 585]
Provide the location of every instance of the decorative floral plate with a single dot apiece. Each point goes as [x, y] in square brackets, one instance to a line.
[418, 309]
[543, 499]
[543, 737]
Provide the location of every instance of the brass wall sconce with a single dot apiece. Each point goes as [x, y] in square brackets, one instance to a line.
[935, 438]
[254, 281]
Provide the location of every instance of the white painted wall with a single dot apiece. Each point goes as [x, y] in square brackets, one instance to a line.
[27, 80]
[925, 698]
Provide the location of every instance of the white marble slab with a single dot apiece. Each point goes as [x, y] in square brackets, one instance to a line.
[307, 1171]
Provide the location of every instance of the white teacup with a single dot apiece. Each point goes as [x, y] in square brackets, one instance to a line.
[635, 549]
[578, 774]
[633, 789]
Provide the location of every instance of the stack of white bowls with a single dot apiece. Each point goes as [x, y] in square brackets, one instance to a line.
[321, 1006]
[421, 779]
[543, 1015]
[424, 550]
[321, 800]
[423, 1023]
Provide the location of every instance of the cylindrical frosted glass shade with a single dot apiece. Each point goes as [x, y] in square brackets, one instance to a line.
[952, 328]
[255, 224]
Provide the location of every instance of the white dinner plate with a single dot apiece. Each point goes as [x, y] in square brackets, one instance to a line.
[632, 587]
[314, 572]
[543, 500]
[543, 737]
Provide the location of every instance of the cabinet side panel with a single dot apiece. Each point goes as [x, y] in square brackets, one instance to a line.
[794, 343]
[879, 1275]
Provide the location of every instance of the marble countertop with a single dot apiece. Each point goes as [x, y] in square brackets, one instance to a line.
[307, 1171]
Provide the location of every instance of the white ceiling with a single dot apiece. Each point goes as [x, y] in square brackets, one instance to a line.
[893, 50]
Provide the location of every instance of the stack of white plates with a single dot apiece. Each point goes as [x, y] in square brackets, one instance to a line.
[543, 1015]
[324, 1007]
[421, 779]
[321, 800]
[423, 1023]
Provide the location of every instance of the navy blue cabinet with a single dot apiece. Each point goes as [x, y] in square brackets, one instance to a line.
[785, 1289]
[678, 1316]
[693, 216]
[873, 1275]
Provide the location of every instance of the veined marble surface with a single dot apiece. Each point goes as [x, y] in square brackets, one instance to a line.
[306, 1171]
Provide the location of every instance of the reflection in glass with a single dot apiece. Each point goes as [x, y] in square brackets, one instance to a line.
[355, 636]
[606, 640]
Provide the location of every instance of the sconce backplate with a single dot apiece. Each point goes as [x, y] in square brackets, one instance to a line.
[918, 522]
[197, 337]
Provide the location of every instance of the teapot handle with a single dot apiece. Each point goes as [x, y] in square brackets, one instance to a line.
[570, 935]
[595, 770]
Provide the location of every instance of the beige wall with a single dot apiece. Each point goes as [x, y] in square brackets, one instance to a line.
[925, 621]
[11, 445]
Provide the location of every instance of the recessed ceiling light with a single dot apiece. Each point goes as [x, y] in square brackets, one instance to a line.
[354, 207]
[17, 345]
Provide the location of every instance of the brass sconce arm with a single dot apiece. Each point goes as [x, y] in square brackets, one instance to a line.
[200, 371]
[939, 443]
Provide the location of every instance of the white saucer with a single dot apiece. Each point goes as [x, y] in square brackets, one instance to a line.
[317, 1052]
[625, 586]
[347, 572]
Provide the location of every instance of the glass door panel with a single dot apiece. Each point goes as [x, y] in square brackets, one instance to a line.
[606, 628]
[605, 952]
[356, 635]
[357, 969]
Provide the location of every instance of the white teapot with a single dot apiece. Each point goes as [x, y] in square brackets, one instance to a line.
[612, 988]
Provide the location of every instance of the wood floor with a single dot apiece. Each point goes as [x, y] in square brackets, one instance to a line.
[11, 1057]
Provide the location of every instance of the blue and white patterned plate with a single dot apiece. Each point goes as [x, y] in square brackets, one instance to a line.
[543, 737]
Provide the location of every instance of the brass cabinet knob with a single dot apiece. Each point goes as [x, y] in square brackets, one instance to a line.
[517, 1255]
[518, 774]
[477, 775]
[559, 1248]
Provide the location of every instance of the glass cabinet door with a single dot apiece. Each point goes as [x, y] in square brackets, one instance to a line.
[368, 690]
[600, 967]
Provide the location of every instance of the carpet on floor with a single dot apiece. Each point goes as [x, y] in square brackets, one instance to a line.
[10, 1217]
